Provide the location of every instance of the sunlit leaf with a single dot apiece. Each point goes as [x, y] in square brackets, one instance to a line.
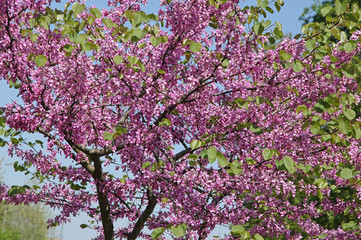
[157, 232]
[40, 60]
[180, 230]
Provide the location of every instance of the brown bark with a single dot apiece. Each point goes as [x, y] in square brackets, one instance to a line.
[152, 201]
[105, 214]
[104, 205]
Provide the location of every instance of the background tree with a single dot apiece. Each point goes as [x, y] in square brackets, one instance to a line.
[10, 235]
[27, 221]
[178, 122]
[24, 221]
[313, 13]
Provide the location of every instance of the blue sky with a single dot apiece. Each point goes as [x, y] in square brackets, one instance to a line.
[289, 19]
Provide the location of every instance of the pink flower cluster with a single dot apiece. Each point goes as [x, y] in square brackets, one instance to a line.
[118, 136]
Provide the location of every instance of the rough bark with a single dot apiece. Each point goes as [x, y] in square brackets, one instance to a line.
[105, 214]
[152, 202]
[104, 205]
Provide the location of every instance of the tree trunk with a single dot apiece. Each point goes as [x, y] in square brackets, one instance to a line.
[152, 201]
[105, 214]
[102, 194]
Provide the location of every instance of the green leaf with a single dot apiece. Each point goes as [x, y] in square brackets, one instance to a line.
[164, 39]
[310, 44]
[258, 237]
[165, 122]
[344, 125]
[279, 25]
[340, 7]
[120, 130]
[245, 235]
[267, 154]
[14, 141]
[40, 60]
[146, 165]
[81, 38]
[225, 63]
[237, 230]
[278, 33]
[315, 127]
[343, 36]
[142, 45]
[117, 59]
[96, 12]
[155, 41]
[195, 144]
[108, 136]
[262, 3]
[350, 46]
[137, 18]
[305, 28]
[192, 163]
[78, 8]
[285, 56]
[157, 232]
[137, 34]
[108, 22]
[346, 173]
[132, 60]
[193, 156]
[302, 108]
[212, 154]
[34, 37]
[271, 40]
[222, 160]
[195, 46]
[297, 66]
[357, 132]
[326, 10]
[289, 164]
[349, 113]
[349, 226]
[89, 46]
[255, 129]
[142, 67]
[258, 28]
[44, 21]
[180, 230]
[83, 226]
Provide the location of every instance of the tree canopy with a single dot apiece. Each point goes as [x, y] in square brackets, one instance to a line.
[313, 12]
[176, 122]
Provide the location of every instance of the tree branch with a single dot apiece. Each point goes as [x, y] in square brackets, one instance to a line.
[103, 201]
[145, 215]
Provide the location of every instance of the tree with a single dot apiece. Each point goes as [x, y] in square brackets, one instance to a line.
[10, 235]
[24, 221]
[313, 13]
[199, 116]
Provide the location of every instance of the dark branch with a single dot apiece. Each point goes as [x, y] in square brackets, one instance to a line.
[152, 201]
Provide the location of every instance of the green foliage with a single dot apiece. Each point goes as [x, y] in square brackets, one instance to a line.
[286, 164]
[23, 222]
[10, 235]
[195, 144]
[212, 154]
[195, 46]
[18, 222]
[40, 60]
[180, 230]
[158, 232]
[267, 154]
[240, 231]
